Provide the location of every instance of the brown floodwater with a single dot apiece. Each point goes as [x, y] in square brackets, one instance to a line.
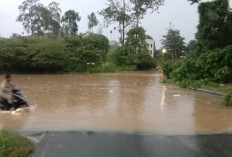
[127, 102]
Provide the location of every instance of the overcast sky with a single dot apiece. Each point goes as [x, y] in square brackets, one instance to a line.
[182, 15]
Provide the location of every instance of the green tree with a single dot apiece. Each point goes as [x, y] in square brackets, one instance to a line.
[134, 52]
[140, 7]
[215, 26]
[99, 45]
[173, 42]
[128, 12]
[54, 17]
[82, 49]
[30, 16]
[192, 45]
[37, 18]
[69, 21]
[137, 39]
[93, 21]
[117, 11]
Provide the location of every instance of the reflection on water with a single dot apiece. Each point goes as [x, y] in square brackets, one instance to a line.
[135, 101]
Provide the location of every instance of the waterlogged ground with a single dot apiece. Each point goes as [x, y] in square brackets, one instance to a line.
[130, 102]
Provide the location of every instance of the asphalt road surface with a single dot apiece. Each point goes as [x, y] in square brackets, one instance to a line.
[93, 144]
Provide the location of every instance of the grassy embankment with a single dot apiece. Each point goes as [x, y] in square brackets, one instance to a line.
[212, 86]
[13, 145]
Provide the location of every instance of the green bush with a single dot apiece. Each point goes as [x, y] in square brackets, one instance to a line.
[82, 50]
[134, 52]
[212, 65]
[145, 61]
[228, 97]
[124, 55]
[42, 54]
[30, 54]
[168, 67]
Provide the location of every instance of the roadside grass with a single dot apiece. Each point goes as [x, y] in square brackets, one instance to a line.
[13, 145]
[205, 84]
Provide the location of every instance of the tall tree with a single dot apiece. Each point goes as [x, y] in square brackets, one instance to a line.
[93, 21]
[173, 42]
[127, 12]
[215, 26]
[69, 21]
[192, 45]
[29, 15]
[37, 18]
[140, 7]
[117, 11]
[136, 38]
[54, 17]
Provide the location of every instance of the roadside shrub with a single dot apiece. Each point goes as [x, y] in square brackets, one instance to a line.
[30, 54]
[169, 66]
[124, 55]
[145, 61]
[212, 65]
[82, 50]
[98, 43]
[228, 97]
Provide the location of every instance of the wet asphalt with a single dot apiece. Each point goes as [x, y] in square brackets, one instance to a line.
[95, 144]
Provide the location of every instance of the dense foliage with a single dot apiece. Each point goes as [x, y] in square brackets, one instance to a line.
[134, 52]
[83, 50]
[174, 43]
[69, 21]
[212, 65]
[37, 18]
[215, 25]
[32, 54]
[211, 57]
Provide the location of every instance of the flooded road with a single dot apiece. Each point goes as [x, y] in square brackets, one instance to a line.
[130, 102]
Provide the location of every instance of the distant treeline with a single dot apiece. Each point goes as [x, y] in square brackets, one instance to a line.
[39, 55]
[78, 53]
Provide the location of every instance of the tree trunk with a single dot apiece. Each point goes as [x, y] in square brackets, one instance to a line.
[123, 22]
[137, 22]
[172, 55]
[175, 53]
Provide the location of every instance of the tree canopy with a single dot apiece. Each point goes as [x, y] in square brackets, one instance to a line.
[128, 12]
[215, 26]
[36, 18]
[173, 42]
[69, 21]
[139, 8]
[137, 39]
[93, 21]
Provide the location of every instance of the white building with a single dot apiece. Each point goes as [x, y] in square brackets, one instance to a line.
[151, 47]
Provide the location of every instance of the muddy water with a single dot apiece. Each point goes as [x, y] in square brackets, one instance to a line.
[116, 102]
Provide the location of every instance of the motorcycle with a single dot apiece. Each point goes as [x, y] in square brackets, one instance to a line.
[20, 101]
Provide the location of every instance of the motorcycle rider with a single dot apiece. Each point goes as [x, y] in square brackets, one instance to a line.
[7, 89]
